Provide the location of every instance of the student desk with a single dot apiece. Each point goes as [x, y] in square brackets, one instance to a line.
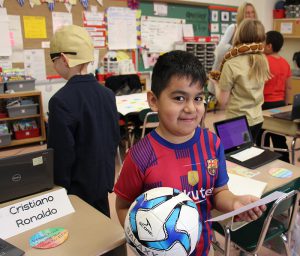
[282, 127]
[90, 233]
[274, 183]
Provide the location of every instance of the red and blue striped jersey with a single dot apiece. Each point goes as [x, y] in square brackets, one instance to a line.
[195, 167]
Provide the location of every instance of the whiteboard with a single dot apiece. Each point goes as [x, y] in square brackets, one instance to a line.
[159, 34]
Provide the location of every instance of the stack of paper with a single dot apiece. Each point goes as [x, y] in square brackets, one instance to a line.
[239, 185]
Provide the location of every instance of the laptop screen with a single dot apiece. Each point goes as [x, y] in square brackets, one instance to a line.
[25, 174]
[234, 133]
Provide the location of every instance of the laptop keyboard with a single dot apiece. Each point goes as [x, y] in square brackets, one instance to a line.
[247, 153]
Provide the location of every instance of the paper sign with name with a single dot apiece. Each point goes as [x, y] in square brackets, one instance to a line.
[31, 213]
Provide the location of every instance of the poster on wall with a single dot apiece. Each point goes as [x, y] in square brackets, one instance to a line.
[60, 19]
[94, 23]
[122, 28]
[159, 34]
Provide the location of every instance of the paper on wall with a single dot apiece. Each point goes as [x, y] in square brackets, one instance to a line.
[34, 62]
[60, 19]
[5, 46]
[16, 38]
[122, 31]
[188, 30]
[159, 34]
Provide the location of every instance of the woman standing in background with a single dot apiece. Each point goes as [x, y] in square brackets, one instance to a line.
[246, 10]
[243, 75]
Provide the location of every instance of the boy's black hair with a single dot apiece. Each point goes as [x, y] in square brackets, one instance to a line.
[179, 64]
[274, 38]
[296, 58]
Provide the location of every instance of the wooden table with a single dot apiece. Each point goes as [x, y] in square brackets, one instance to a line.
[90, 233]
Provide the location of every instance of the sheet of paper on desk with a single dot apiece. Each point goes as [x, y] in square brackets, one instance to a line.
[239, 185]
[268, 199]
[247, 154]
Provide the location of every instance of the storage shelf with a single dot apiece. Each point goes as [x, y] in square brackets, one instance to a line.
[24, 141]
[19, 94]
[38, 117]
[18, 118]
[289, 28]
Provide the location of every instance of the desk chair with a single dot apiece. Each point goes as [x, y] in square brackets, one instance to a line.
[293, 144]
[150, 120]
[124, 84]
[251, 237]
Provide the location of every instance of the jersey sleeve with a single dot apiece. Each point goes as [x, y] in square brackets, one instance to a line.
[130, 181]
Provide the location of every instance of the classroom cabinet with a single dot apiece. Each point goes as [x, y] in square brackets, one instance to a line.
[22, 113]
[202, 50]
[290, 28]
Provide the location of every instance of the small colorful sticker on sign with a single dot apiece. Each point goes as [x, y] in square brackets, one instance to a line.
[281, 173]
[49, 238]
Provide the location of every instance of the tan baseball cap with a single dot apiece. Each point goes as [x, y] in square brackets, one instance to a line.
[75, 42]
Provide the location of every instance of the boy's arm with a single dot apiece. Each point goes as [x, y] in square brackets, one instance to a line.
[226, 201]
[288, 90]
[122, 207]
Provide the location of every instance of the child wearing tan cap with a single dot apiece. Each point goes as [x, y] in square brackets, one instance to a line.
[83, 122]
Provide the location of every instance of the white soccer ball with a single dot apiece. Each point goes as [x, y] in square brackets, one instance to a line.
[163, 221]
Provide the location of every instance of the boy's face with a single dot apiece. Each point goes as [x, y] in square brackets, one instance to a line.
[180, 107]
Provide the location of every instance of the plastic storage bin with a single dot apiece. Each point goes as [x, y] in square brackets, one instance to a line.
[5, 139]
[21, 85]
[278, 14]
[23, 110]
[25, 134]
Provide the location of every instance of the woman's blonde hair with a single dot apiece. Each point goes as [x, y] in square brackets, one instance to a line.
[241, 12]
[253, 31]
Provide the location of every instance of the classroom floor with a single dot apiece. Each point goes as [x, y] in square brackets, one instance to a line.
[210, 119]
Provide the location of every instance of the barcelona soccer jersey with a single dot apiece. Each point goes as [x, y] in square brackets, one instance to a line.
[195, 167]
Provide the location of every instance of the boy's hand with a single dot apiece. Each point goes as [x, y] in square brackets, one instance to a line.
[252, 214]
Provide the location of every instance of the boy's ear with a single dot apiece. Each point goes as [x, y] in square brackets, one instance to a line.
[65, 59]
[152, 101]
[269, 47]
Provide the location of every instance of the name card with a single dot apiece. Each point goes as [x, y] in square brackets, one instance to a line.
[34, 212]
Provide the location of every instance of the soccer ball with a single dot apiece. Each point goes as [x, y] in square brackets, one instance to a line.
[163, 221]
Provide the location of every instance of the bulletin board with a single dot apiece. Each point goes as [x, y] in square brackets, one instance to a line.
[198, 15]
[193, 14]
[13, 8]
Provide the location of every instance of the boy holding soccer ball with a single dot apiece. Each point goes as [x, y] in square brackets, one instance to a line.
[178, 153]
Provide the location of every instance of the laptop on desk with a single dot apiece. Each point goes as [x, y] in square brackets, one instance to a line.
[238, 144]
[291, 115]
[26, 174]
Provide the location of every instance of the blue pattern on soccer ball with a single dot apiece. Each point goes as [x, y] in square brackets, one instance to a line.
[172, 235]
[141, 203]
[177, 235]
